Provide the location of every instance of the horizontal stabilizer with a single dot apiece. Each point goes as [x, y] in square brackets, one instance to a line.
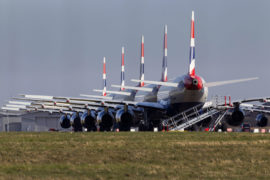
[113, 92]
[134, 88]
[96, 96]
[170, 84]
[220, 83]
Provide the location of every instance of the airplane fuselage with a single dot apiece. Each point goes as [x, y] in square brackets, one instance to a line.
[189, 92]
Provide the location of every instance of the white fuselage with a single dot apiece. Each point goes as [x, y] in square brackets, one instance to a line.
[181, 94]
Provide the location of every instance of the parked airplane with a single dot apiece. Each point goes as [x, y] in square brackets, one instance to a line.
[183, 92]
[76, 118]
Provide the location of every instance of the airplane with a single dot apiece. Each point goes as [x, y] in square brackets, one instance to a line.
[124, 116]
[183, 92]
[88, 118]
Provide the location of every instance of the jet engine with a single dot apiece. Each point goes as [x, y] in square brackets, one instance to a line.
[261, 120]
[65, 121]
[235, 116]
[124, 118]
[88, 120]
[105, 120]
[75, 121]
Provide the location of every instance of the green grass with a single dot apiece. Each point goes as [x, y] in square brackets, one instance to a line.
[143, 155]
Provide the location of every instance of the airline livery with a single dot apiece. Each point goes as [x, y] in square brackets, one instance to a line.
[122, 109]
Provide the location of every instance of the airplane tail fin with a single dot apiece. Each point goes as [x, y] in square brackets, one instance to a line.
[142, 64]
[192, 48]
[104, 77]
[123, 70]
[164, 77]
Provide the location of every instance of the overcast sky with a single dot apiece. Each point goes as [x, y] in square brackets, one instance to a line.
[55, 47]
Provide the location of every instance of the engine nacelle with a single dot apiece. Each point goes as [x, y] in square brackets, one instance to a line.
[88, 120]
[75, 121]
[124, 118]
[235, 117]
[261, 120]
[105, 119]
[65, 121]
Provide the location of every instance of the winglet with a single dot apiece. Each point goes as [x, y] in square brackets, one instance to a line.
[164, 77]
[123, 70]
[104, 77]
[142, 63]
[192, 48]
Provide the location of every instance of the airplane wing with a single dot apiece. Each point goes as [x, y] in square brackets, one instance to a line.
[61, 102]
[244, 101]
[113, 92]
[11, 108]
[207, 84]
[153, 105]
[254, 108]
[259, 99]
[46, 107]
[90, 102]
[62, 99]
[220, 83]
[170, 84]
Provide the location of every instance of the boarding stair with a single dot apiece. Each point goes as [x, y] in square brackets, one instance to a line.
[216, 121]
[189, 117]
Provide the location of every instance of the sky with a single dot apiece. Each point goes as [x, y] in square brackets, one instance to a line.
[56, 47]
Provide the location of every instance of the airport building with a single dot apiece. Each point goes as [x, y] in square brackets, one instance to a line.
[29, 121]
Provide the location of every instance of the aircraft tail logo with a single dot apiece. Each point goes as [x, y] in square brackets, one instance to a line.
[164, 77]
[122, 70]
[104, 77]
[142, 63]
[192, 48]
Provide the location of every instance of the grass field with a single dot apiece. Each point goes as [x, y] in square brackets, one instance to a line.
[143, 155]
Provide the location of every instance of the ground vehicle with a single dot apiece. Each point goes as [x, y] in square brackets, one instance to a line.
[245, 127]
